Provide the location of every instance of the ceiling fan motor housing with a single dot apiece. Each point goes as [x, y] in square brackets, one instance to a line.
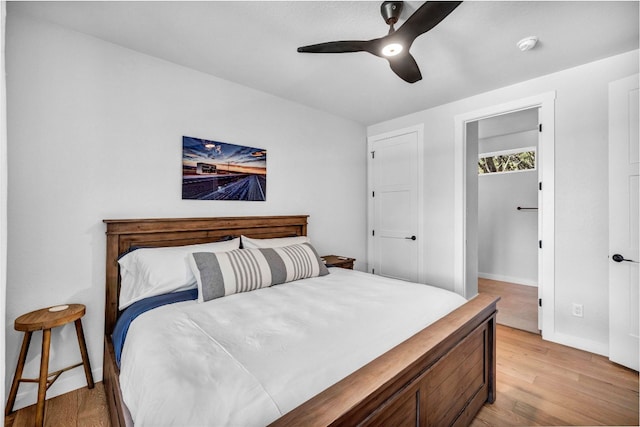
[390, 11]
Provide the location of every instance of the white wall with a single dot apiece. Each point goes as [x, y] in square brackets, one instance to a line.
[581, 190]
[507, 237]
[94, 132]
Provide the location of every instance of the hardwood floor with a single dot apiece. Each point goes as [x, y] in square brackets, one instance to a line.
[518, 305]
[539, 383]
[82, 407]
[543, 383]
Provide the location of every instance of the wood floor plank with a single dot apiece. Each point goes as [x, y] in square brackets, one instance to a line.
[581, 365]
[23, 417]
[528, 368]
[62, 411]
[92, 407]
[610, 392]
[501, 414]
[518, 306]
[535, 415]
[601, 410]
[543, 401]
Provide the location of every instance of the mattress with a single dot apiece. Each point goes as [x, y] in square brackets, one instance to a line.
[246, 359]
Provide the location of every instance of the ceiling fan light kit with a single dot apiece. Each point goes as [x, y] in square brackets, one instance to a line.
[394, 47]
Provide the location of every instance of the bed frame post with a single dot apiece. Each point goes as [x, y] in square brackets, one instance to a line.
[112, 288]
[491, 398]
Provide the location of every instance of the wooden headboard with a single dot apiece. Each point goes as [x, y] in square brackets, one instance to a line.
[122, 234]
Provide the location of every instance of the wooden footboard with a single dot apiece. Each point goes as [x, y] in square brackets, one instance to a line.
[439, 377]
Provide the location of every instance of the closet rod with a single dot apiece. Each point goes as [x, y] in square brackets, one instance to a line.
[522, 209]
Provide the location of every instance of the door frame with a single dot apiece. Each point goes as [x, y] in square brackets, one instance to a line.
[419, 130]
[546, 259]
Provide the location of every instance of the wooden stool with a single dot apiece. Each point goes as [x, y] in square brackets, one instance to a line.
[44, 320]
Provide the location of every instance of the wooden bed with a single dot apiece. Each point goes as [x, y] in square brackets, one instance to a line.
[440, 376]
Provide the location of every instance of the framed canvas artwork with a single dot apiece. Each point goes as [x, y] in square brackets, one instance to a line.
[213, 170]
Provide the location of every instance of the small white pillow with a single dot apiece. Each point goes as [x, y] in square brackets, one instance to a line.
[248, 243]
[147, 272]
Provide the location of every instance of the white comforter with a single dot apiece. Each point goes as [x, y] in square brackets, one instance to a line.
[246, 359]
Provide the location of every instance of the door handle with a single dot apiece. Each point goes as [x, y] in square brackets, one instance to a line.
[620, 258]
[411, 238]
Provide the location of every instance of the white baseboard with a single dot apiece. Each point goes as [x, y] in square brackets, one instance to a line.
[68, 381]
[510, 279]
[579, 343]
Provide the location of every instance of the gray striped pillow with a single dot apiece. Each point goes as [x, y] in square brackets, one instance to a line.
[243, 270]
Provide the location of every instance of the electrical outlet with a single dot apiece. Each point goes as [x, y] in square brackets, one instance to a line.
[576, 310]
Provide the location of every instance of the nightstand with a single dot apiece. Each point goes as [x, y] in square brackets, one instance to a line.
[44, 320]
[338, 261]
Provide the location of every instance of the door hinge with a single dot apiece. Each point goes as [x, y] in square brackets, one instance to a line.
[373, 271]
[540, 186]
[373, 232]
[373, 154]
[540, 243]
[373, 194]
[540, 127]
[539, 302]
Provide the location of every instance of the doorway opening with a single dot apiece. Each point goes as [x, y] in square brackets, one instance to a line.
[507, 229]
[467, 234]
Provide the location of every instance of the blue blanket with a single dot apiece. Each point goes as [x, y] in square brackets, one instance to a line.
[137, 308]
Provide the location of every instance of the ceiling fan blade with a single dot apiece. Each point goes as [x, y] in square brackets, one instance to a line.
[405, 67]
[425, 18]
[337, 47]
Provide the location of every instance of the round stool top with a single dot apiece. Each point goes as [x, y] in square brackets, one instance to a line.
[50, 317]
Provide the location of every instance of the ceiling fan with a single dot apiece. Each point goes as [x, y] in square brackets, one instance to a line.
[394, 47]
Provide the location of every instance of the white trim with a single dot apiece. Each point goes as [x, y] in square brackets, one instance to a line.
[546, 226]
[506, 172]
[419, 130]
[506, 152]
[509, 279]
[579, 343]
[3, 197]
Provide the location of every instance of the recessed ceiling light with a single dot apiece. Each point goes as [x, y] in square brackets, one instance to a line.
[527, 43]
[392, 49]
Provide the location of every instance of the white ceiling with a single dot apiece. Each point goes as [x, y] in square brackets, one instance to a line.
[254, 43]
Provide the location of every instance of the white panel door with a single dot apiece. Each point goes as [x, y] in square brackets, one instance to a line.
[394, 191]
[624, 192]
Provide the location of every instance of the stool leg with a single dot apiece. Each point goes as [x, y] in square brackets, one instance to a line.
[85, 355]
[44, 373]
[18, 374]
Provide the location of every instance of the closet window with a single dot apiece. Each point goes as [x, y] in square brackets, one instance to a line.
[517, 160]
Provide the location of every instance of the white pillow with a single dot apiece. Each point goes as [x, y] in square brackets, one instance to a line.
[147, 272]
[248, 243]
